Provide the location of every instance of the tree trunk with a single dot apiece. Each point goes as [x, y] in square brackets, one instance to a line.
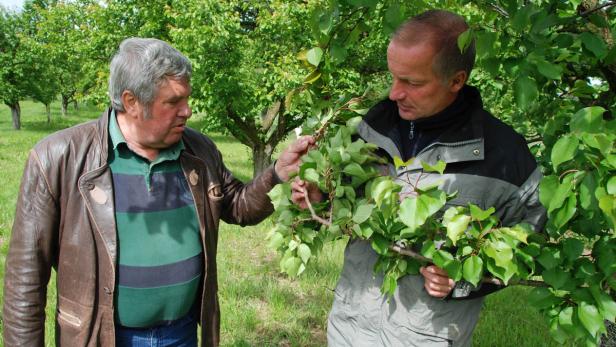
[64, 105]
[261, 159]
[16, 114]
[75, 105]
[48, 111]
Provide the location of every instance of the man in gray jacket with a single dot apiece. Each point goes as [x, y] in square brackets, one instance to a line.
[431, 115]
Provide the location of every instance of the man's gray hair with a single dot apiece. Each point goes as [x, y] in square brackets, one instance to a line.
[441, 29]
[141, 66]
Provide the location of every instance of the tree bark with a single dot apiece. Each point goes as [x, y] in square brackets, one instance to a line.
[48, 111]
[262, 158]
[16, 115]
[75, 105]
[64, 105]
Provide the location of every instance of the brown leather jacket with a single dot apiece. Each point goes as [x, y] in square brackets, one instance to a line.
[65, 220]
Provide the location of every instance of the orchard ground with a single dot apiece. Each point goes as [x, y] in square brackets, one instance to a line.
[259, 306]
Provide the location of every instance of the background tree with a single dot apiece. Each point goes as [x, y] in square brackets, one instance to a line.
[19, 63]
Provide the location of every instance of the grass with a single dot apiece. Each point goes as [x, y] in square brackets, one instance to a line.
[260, 307]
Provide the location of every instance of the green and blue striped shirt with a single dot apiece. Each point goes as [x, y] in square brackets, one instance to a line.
[159, 254]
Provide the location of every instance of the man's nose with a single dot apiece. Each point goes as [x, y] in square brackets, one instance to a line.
[186, 111]
[396, 92]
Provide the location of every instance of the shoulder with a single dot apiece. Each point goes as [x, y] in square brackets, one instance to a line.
[76, 139]
[201, 146]
[506, 150]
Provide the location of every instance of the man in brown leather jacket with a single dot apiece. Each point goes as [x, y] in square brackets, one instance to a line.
[126, 209]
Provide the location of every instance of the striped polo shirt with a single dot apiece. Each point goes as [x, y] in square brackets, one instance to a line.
[159, 246]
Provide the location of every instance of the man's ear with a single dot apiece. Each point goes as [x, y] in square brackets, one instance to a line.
[131, 104]
[457, 81]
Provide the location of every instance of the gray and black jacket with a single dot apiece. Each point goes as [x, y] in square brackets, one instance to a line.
[488, 164]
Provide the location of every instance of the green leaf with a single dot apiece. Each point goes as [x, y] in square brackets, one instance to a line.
[303, 251]
[525, 91]
[465, 39]
[549, 70]
[442, 258]
[611, 185]
[520, 232]
[438, 167]
[547, 189]
[398, 163]
[339, 55]
[291, 266]
[562, 192]
[279, 195]
[312, 77]
[588, 120]
[591, 318]
[362, 213]
[414, 211]
[607, 306]
[354, 169]
[556, 277]
[594, 44]
[565, 213]
[549, 258]
[501, 252]
[446, 261]
[325, 23]
[311, 175]
[565, 319]
[276, 240]
[542, 298]
[564, 150]
[572, 248]
[456, 227]
[472, 269]
[314, 56]
[478, 214]
[586, 193]
[380, 244]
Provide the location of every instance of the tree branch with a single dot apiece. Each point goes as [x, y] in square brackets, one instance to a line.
[313, 213]
[410, 253]
[248, 133]
[592, 10]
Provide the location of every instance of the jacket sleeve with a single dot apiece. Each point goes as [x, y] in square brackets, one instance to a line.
[246, 203]
[30, 259]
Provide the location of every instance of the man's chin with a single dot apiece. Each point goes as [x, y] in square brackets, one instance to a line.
[407, 114]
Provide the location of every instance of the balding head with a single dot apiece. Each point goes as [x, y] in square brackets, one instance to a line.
[440, 29]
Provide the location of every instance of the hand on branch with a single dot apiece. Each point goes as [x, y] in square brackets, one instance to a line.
[301, 189]
[436, 281]
[289, 160]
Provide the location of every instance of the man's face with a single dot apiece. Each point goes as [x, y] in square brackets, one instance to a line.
[417, 90]
[168, 115]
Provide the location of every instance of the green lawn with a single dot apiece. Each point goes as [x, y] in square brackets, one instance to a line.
[260, 307]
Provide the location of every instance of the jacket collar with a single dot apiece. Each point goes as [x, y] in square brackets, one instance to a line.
[459, 144]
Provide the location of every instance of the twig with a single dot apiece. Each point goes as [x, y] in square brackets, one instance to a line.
[410, 253]
[313, 213]
[566, 173]
[592, 10]
[529, 283]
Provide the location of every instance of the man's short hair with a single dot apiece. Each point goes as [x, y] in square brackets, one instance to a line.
[440, 29]
[141, 66]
